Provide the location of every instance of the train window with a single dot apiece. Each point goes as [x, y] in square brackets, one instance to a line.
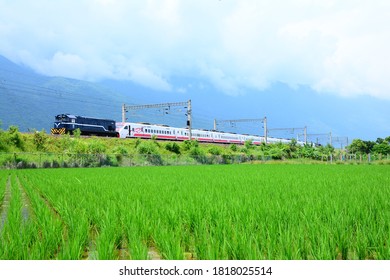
[126, 127]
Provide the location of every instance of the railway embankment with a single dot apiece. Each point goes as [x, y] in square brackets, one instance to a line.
[41, 150]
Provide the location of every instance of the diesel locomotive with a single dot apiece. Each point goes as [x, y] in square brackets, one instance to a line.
[67, 123]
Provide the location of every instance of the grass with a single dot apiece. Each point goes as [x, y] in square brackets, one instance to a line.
[205, 212]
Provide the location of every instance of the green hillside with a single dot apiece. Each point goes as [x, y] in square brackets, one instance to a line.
[30, 101]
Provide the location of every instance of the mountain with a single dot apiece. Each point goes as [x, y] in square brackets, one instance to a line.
[31, 101]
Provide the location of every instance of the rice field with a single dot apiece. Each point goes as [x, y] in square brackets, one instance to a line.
[244, 212]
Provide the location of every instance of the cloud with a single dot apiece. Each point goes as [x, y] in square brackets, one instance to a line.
[331, 46]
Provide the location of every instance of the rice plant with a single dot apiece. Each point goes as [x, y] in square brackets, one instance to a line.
[275, 212]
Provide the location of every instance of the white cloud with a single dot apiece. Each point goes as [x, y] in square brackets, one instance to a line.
[332, 46]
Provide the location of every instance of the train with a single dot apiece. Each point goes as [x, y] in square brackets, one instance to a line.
[66, 123]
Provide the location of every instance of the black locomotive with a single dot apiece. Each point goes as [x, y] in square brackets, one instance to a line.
[65, 123]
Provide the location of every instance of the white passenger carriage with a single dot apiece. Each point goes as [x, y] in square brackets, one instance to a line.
[164, 132]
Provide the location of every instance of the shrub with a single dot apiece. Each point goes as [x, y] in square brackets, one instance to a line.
[119, 152]
[233, 147]
[149, 151]
[147, 148]
[40, 139]
[248, 144]
[3, 142]
[198, 155]
[215, 151]
[15, 137]
[188, 144]
[77, 133]
[96, 147]
[173, 147]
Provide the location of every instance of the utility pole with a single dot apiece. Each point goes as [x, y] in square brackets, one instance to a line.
[292, 129]
[305, 133]
[263, 120]
[187, 105]
[189, 121]
[124, 112]
[341, 140]
[328, 135]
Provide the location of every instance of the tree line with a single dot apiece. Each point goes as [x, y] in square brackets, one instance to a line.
[380, 146]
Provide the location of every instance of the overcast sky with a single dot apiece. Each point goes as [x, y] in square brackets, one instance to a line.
[335, 46]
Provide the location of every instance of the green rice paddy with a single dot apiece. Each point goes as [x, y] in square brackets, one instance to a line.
[246, 212]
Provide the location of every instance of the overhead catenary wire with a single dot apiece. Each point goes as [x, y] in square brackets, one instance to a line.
[201, 118]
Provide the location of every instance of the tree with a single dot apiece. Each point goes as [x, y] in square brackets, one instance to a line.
[370, 145]
[382, 148]
[379, 140]
[329, 149]
[357, 146]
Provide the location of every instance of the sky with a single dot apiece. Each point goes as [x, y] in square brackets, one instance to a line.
[334, 48]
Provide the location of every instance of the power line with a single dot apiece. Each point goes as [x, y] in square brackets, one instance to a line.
[166, 107]
[231, 122]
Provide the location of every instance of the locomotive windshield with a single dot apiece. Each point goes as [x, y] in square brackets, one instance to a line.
[62, 118]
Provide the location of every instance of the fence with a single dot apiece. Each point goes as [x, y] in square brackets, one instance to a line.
[56, 160]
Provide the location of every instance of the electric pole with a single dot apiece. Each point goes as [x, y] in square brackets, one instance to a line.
[187, 105]
[263, 120]
[292, 129]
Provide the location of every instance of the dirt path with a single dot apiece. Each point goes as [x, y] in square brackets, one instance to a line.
[6, 203]
[26, 204]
